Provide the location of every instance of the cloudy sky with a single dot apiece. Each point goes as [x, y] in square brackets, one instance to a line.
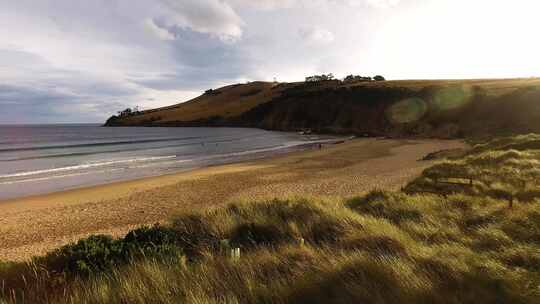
[82, 60]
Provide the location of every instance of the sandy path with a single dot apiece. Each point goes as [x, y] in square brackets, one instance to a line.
[35, 225]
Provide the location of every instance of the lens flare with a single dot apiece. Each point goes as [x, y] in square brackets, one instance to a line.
[407, 110]
[451, 98]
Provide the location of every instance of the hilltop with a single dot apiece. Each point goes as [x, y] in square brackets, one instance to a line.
[425, 108]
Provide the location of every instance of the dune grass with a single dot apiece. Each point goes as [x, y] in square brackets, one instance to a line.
[441, 240]
[506, 168]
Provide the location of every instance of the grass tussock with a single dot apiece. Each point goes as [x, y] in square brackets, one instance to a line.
[444, 239]
[505, 169]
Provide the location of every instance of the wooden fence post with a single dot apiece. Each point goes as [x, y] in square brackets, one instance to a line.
[235, 254]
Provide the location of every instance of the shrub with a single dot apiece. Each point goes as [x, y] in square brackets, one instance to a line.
[95, 253]
[99, 253]
[151, 241]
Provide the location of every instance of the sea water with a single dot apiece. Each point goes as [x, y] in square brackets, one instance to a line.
[37, 159]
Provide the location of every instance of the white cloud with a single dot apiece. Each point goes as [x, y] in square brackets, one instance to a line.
[317, 35]
[214, 17]
[158, 31]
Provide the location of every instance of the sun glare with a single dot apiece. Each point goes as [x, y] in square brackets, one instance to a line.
[463, 39]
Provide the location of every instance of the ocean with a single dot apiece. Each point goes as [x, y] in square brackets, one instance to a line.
[38, 159]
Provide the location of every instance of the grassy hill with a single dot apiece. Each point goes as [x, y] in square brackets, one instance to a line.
[439, 108]
[226, 102]
[466, 231]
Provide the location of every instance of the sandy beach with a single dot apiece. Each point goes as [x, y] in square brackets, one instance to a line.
[35, 225]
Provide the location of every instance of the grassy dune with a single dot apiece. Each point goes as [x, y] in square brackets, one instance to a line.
[451, 236]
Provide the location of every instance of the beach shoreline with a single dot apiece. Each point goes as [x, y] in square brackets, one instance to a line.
[150, 181]
[59, 158]
[37, 224]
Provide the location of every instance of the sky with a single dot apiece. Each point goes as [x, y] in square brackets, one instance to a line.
[82, 60]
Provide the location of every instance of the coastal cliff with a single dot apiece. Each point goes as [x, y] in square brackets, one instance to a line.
[430, 108]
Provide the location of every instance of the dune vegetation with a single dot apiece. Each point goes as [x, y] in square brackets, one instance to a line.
[466, 231]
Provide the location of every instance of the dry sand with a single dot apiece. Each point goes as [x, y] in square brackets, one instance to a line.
[35, 225]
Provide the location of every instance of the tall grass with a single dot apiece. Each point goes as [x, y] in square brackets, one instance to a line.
[458, 243]
[506, 168]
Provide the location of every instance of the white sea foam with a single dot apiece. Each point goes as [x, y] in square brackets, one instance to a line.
[46, 178]
[152, 159]
[86, 166]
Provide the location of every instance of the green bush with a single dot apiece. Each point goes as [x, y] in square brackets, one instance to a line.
[149, 240]
[101, 253]
[95, 253]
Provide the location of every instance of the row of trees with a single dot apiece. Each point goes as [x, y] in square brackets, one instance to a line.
[318, 78]
[129, 112]
[350, 78]
[358, 78]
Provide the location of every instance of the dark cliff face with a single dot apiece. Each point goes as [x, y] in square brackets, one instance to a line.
[435, 111]
[116, 121]
[113, 121]
[342, 110]
[338, 110]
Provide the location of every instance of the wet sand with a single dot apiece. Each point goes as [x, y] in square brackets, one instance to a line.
[35, 225]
